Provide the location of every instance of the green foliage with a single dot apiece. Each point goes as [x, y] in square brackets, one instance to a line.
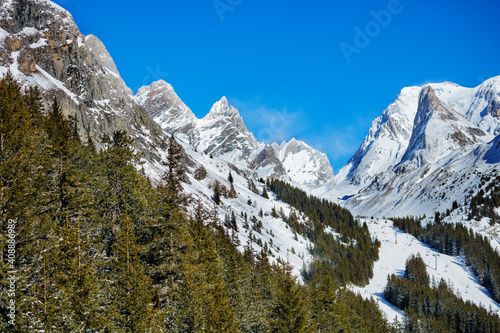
[264, 193]
[217, 192]
[485, 201]
[437, 309]
[290, 310]
[416, 271]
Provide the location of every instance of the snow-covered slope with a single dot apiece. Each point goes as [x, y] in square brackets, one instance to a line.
[439, 130]
[392, 260]
[274, 234]
[480, 105]
[386, 141]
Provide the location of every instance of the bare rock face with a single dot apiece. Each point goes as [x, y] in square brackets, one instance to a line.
[41, 46]
[439, 130]
[268, 157]
[493, 108]
[166, 108]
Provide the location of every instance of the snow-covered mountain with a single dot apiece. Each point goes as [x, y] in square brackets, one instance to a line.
[439, 130]
[304, 164]
[419, 152]
[40, 45]
[223, 133]
[386, 142]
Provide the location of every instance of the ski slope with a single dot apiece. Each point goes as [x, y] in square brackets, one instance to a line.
[392, 260]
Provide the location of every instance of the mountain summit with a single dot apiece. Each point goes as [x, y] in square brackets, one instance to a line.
[429, 138]
[40, 45]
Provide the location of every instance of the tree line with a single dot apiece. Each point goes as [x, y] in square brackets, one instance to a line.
[433, 307]
[100, 249]
[349, 257]
[457, 240]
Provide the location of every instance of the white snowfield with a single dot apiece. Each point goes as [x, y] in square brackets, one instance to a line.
[392, 261]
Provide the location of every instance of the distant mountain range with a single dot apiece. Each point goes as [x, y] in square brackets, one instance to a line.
[428, 138]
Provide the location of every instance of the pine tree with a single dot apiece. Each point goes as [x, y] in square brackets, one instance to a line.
[264, 193]
[76, 276]
[217, 193]
[205, 305]
[328, 311]
[290, 310]
[234, 224]
[131, 288]
[232, 192]
[175, 172]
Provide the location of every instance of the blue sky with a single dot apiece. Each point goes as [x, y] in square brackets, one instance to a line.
[319, 71]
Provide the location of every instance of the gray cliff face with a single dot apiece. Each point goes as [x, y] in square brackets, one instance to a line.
[268, 157]
[438, 130]
[42, 46]
[166, 108]
[493, 108]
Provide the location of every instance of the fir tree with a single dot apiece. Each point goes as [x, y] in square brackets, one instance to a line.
[217, 193]
[264, 193]
[132, 288]
[290, 311]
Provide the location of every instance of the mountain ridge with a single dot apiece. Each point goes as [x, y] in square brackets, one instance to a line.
[222, 132]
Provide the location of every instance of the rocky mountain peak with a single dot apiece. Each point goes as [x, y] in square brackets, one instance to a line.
[386, 141]
[304, 164]
[166, 107]
[222, 109]
[438, 130]
[96, 45]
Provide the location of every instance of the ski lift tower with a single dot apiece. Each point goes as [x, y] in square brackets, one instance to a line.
[436, 255]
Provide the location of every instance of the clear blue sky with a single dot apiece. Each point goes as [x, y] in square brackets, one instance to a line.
[284, 63]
